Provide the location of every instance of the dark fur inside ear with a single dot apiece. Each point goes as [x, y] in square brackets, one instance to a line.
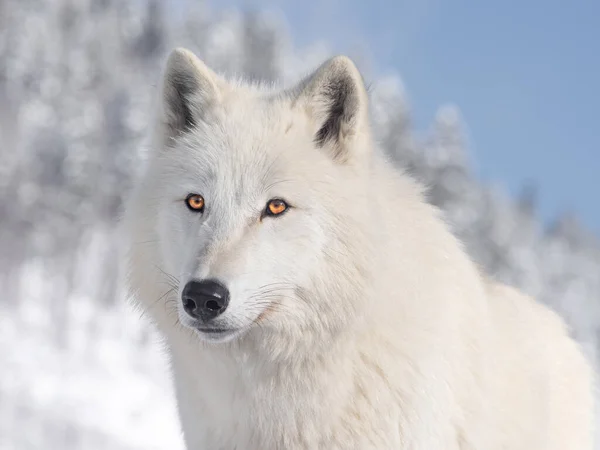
[179, 102]
[335, 99]
[340, 96]
[189, 90]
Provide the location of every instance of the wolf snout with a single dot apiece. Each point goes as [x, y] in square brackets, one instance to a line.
[204, 300]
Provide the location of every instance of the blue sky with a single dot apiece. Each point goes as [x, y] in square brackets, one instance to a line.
[525, 75]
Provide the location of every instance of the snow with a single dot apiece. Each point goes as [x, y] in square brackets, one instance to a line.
[102, 381]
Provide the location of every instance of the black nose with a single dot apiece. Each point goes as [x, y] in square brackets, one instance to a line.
[204, 300]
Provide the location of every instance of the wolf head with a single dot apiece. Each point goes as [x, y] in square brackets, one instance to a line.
[250, 218]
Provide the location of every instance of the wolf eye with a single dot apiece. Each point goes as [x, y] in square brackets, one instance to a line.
[195, 202]
[276, 207]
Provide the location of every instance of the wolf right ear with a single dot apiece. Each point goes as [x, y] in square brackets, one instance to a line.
[189, 89]
[336, 101]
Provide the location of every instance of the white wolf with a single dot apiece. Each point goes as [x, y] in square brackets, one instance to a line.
[310, 297]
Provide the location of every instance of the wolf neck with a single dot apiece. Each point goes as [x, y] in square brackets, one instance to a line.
[233, 387]
[250, 358]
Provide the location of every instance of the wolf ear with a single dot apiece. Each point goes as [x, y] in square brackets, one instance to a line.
[189, 89]
[336, 100]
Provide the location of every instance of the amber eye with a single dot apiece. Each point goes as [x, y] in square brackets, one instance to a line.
[276, 207]
[195, 202]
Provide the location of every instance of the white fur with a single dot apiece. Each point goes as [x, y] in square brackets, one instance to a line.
[376, 330]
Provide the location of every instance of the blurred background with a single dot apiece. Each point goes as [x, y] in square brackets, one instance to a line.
[490, 105]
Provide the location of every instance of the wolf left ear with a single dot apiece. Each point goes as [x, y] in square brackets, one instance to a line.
[336, 100]
[189, 90]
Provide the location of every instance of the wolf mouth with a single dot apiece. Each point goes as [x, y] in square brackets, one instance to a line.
[215, 335]
[215, 330]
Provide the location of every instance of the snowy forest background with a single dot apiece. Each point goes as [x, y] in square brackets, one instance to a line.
[79, 369]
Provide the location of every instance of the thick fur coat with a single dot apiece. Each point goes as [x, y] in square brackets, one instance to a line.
[354, 319]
